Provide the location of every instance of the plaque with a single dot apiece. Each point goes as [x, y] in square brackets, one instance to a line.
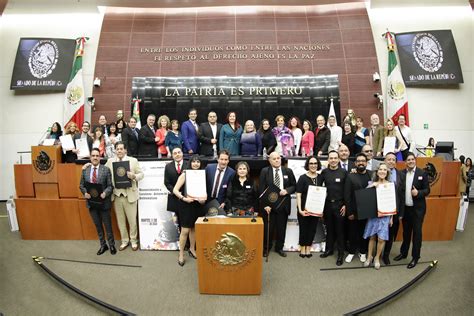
[121, 180]
[366, 200]
[271, 197]
[95, 190]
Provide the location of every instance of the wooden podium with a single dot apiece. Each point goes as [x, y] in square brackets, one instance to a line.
[229, 252]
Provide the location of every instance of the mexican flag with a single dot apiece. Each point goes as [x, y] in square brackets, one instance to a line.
[136, 111]
[74, 97]
[397, 101]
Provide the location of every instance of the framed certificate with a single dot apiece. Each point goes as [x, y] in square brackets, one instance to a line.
[66, 142]
[389, 144]
[315, 200]
[196, 184]
[386, 199]
[83, 147]
[121, 180]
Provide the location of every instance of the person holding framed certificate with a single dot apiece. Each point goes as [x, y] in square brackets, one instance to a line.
[189, 209]
[377, 228]
[307, 221]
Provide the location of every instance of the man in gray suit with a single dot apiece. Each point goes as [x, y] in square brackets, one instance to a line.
[372, 164]
[100, 214]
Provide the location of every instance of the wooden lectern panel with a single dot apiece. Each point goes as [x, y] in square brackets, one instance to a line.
[451, 177]
[434, 167]
[229, 252]
[23, 181]
[68, 180]
[46, 191]
[44, 161]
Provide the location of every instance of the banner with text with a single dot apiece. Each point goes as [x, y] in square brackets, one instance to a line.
[429, 57]
[158, 227]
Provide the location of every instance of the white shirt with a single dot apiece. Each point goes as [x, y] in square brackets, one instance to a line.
[406, 132]
[408, 186]
[194, 124]
[345, 165]
[214, 133]
[297, 135]
[281, 177]
[220, 180]
[336, 137]
[369, 165]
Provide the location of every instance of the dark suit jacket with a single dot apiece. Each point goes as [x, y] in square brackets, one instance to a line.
[354, 182]
[400, 191]
[350, 165]
[205, 136]
[104, 177]
[130, 141]
[190, 137]
[322, 140]
[103, 128]
[289, 184]
[171, 177]
[210, 174]
[147, 145]
[420, 182]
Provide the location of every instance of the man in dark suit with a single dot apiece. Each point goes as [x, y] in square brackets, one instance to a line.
[172, 171]
[130, 137]
[283, 178]
[322, 136]
[100, 214]
[189, 131]
[84, 135]
[209, 135]
[103, 125]
[417, 188]
[344, 154]
[398, 178]
[147, 139]
[218, 177]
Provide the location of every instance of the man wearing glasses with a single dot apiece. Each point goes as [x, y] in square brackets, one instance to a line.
[372, 164]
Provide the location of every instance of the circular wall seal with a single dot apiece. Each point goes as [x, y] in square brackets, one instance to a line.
[427, 51]
[43, 58]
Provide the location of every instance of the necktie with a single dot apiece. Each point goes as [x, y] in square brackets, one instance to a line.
[344, 166]
[178, 168]
[94, 175]
[276, 180]
[216, 184]
[135, 133]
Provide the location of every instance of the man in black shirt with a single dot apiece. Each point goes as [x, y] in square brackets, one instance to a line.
[354, 182]
[334, 178]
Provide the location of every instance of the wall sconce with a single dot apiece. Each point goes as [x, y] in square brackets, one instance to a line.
[376, 77]
[380, 99]
[91, 102]
[97, 82]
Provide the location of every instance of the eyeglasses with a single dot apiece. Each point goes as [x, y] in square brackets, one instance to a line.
[313, 163]
[357, 161]
[368, 151]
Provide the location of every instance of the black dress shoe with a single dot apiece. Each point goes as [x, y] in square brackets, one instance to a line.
[265, 253]
[309, 255]
[386, 260]
[340, 260]
[181, 263]
[281, 253]
[113, 250]
[399, 257]
[302, 255]
[326, 254]
[191, 254]
[412, 264]
[102, 249]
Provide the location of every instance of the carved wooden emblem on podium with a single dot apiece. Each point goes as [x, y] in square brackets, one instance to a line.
[43, 163]
[229, 251]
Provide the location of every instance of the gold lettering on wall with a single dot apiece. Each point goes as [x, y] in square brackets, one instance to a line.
[235, 52]
[234, 91]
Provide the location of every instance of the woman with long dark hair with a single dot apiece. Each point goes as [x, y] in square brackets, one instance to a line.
[188, 211]
[268, 139]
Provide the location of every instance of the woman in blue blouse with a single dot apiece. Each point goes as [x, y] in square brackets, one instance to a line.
[250, 141]
[230, 135]
[173, 138]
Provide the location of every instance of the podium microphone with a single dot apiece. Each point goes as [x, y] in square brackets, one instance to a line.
[44, 135]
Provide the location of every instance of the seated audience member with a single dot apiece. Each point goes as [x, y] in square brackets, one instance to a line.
[294, 125]
[189, 210]
[147, 147]
[229, 138]
[173, 138]
[241, 196]
[250, 142]
[130, 137]
[209, 133]
[268, 139]
[307, 140]
[164, 125]
[322, 137]
[284, 137]
[306, 221]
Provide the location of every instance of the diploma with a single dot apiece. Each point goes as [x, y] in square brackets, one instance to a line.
[196, 184]
[386, 199]
[315, 200]
[83, 147]
[389, 144]
[48, 142]
[66, 142]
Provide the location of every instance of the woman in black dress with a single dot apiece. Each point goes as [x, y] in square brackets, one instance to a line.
[306, 221]
[241, 195]
[189, 210]
[348, 137]
[268, 139]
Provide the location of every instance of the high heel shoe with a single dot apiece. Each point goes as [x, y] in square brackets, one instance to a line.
[367, 262]
[309, 255]
[302, 255]
[377, 264]
[181, 263]
[191, 254]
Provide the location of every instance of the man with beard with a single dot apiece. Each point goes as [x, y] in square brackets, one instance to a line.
[356, 181]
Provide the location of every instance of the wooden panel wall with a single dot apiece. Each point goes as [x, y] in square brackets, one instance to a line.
[345, 27]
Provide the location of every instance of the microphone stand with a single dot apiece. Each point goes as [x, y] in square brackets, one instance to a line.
[44, 135]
